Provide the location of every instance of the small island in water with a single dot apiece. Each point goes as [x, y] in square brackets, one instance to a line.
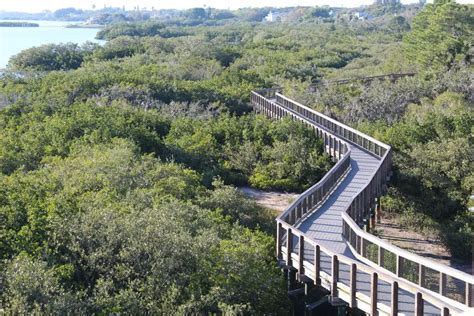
[18, 24]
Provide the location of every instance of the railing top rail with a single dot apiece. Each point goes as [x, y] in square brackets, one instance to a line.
[336, 122]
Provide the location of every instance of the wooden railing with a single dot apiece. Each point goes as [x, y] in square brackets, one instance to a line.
[451, 291]
[355, 282]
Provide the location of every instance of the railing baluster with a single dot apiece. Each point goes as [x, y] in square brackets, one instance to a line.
[442, 283]
[381, 257]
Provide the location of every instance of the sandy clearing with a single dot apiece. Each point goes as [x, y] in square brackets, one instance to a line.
[277, 201]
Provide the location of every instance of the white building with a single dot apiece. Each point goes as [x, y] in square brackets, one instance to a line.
[273, 17]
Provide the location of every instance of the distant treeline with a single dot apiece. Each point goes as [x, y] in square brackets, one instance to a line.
[18, 24]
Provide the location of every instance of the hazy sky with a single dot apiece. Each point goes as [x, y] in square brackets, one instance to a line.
[39, 5]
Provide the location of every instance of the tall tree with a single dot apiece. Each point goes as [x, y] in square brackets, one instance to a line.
[441, 35]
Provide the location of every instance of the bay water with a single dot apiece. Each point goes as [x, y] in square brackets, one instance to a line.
[15, 39]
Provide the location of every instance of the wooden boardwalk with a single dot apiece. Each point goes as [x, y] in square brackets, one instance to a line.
[322, 236]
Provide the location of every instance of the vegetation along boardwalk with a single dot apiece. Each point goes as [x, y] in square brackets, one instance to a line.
[323, 235]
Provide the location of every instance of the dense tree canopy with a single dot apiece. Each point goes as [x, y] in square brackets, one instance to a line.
[442, 35]
[52, 57]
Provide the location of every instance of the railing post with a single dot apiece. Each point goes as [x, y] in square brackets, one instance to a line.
[317, 265]
[353, 285]
[301, 255]
[373, 294]
[289, 246]
[418, 304]
[278, 241]
[394, 298]
[335, 275]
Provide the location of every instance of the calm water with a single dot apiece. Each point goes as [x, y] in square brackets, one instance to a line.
[15, 39]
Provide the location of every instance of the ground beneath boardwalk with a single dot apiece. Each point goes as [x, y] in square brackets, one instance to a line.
[277, 201]
[427, 246]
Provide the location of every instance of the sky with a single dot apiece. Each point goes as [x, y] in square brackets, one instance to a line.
[40, 5]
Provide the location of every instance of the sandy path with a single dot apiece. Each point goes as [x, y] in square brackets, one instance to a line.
[273, 200]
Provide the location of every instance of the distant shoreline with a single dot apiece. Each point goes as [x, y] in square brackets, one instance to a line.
[18, 24]
[84, 26]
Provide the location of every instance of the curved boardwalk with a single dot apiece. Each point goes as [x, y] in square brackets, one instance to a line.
[321, 234]
[325, 225]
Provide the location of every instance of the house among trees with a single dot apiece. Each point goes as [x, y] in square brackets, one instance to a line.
[387, 2]
[360, 15]
[274, 16]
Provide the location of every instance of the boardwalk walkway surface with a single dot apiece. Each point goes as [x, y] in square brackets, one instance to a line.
[321, 236]
[325, 225]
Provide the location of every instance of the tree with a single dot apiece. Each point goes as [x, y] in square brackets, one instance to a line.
[51, 57]
[197, 13]
[441, 35]
[398, 26]
[321, 12]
